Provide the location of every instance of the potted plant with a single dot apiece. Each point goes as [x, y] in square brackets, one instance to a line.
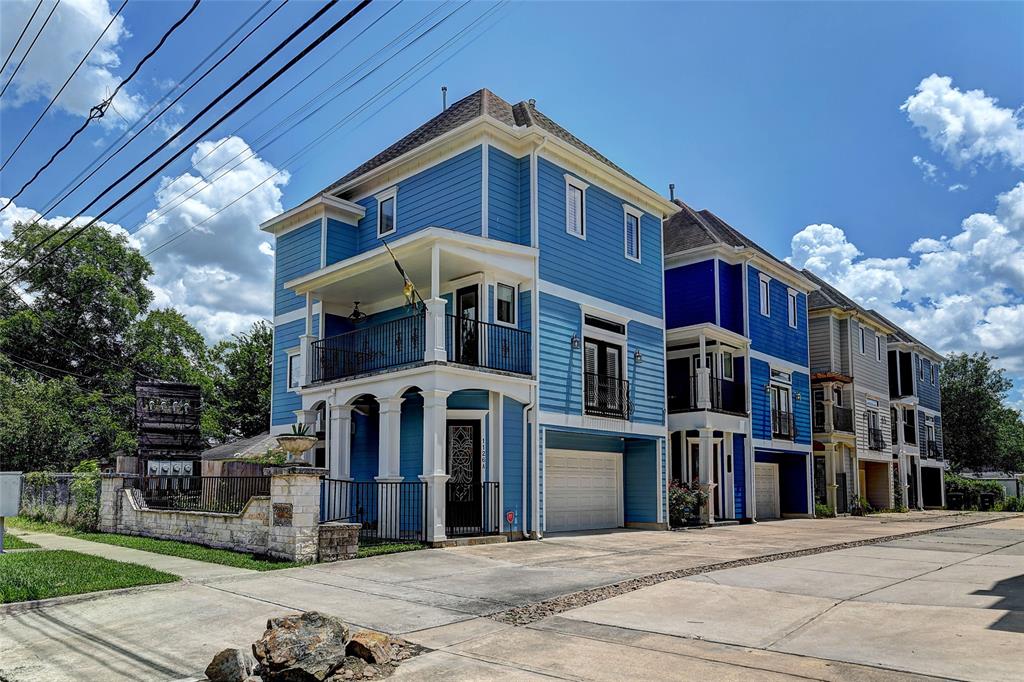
[296, 442]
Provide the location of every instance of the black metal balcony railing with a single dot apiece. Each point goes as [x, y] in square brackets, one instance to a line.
[392, 511]
[783, 425]
[605, 396]
[909, 434]
[725, 396]
[842, 418]
[933, 450]
[472, 509]
[875, 439]
[213, 494]
[379, 346]
[488, 345]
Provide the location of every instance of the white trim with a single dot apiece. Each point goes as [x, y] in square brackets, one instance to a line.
[778, 363]
[781, 445]
[575, 183]
[764, 300]
[607, 306]
[289, 354]
[485, 190]
[350, 213]
[515, 304]
[627, 211]
[612, 426]
[295, 315]
[390, 193]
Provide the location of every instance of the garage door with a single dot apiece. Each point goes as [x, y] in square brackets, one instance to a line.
[583, 490]
[766, 490]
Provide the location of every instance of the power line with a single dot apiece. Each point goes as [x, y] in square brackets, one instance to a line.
[30, 46]
[59, 92]
[20, 36]
[11, 358]
[288, 65]
[100, 109]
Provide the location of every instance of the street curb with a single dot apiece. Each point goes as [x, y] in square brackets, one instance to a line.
[531, 613]
[18, 607]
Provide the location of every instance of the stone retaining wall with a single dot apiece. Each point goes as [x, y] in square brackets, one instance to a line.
[285, 524]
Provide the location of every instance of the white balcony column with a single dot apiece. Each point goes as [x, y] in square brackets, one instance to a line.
[705, 449]
[306, 345]
[828, 402]
[435, 474]
[340, 447]
[703, 379]
[434, 348]
[388, 439]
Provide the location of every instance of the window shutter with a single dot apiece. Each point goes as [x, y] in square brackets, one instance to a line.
[612, 362]
[590, 359]
[572, 208]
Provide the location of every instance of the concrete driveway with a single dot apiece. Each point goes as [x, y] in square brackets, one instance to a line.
[453, 600]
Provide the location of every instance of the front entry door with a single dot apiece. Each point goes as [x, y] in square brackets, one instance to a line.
[463, 511]
[467, 311]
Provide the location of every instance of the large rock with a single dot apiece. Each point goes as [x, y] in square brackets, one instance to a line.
[372, 647]
[231, 665]
[310, 640]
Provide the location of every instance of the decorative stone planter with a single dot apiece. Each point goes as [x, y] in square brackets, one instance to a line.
[295, 446]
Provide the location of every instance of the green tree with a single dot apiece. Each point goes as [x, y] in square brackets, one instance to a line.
[974, 419]
[245, 363]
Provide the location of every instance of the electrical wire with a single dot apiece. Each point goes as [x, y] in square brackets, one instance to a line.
[59, 92]
[29, 49]
[21, 35]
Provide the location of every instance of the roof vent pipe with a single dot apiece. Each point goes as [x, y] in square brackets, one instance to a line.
[532, 103]
[444, 98]
[672, 191]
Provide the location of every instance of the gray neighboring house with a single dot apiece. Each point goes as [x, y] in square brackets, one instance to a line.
[852, 427]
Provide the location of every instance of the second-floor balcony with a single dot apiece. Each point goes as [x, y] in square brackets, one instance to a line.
[722, 395]
[842, 418]
[606, 396]
[783, 425]
[875, 439]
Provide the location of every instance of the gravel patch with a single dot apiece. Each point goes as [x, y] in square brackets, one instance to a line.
[531, 613]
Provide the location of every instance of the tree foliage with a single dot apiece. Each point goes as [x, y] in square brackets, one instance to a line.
[979, 431]
[246, 361]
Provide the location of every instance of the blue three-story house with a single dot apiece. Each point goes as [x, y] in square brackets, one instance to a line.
[471, 324]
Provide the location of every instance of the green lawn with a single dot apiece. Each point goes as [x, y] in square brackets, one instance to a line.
[386, 548]
[14, 542]
[27, 576]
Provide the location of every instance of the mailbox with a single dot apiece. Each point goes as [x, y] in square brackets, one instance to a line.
[10, 493]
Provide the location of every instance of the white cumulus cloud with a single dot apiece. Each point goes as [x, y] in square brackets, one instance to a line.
[70, 33]
[967, 127]
[929, 171]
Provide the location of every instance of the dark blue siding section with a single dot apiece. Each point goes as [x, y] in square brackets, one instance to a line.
[365, 456]
[647, 379]
[341, 241]
[472, 399]
[410, 441]
[297, 253]
[739, 474]
[579, 440]
[792, 479]
[524, 200]
[504, 220]
[730, 295]
[928, 394]
[597, 265]
[512, 466]
[760, 404]
[690, 294]
[560, 363]
[526, 311]
[802, 407]
[772, 335]
[445, 195]
[285, 402]
[640, 481]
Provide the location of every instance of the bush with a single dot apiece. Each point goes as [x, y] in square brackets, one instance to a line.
[823, 511]
[71, 499]
[972, 489]
[861, 507]
[1011, 504]
[685, 501]
[85, 495]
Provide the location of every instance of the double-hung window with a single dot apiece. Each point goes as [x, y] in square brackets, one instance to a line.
[791, 302]
[575, 206]
[387, 205]
[765, 295]
[294, 365]
[506, 304]
[632, 232]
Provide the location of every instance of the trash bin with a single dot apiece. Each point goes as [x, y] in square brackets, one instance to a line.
[10, 498]
[988, 501]
[954, 500]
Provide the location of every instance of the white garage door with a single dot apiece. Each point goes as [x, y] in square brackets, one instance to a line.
[584, 490]
[766, 490]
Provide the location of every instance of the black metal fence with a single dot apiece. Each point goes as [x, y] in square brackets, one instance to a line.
[472, 509]
[606, 396]
[783, 425]
[725, 396]
[875, 439]
[389, 511]
[215, 494]
[488, 345]
[368, 349]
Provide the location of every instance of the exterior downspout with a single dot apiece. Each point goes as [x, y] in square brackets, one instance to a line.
[529, 407]
[535, 242]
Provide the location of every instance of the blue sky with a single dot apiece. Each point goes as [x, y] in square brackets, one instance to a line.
[776, 116]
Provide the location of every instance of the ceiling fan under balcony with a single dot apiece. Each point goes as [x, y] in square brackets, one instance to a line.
[357, 315]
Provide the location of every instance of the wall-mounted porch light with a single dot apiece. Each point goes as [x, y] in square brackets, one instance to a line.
[638, 357]
[574, 341]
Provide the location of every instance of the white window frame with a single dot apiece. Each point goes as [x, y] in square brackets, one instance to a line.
[381, 197]
[574, 182]
[728, 363]
[779, 376]
[515, 304]
[288, 371]
[863, 341]
[764, 294]
[792, 307]
[627, 212]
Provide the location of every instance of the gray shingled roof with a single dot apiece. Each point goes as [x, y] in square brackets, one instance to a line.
[481, 103]
[827, 296]
[901, 335]
[690, 229]
[244, 447]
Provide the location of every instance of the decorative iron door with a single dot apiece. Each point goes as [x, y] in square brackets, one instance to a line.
[463, 511]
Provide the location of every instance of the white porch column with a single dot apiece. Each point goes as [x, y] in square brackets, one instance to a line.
[388, 439]
[435, 410]
[705, 449]
[830, 476]
[307, 417]
[340, 448]
[703, 379]
[434, 348]
[306, 345]
[917, 481]
[827, 403]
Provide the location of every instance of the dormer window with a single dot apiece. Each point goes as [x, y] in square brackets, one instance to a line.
[386, 212]
[575, 206]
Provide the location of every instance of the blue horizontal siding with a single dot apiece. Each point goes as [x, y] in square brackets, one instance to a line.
[524, 201]
[512, 466]
[730, 297]
[739, 474]
[802, 407]
[760, 401]
[469, 399]
[504, 204]
[560, 363]
[927, 394]
[341, 241]
[597, 265]
[445, 195]
[285, 402]
[772, 334]
[410, 440]
[690, 294]
[640, 481]
[579, 440]
[297, 253]
[647, 379]
[365, 454]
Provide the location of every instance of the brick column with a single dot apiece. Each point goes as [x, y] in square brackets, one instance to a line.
[295, 512]
[110, 502]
